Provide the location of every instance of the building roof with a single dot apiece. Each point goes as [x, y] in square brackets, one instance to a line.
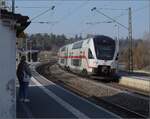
[21, 20]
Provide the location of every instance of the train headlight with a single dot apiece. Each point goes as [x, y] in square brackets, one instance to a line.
[113, 64]
[95, 63]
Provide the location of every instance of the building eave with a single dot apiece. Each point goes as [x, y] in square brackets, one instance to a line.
[21, 22]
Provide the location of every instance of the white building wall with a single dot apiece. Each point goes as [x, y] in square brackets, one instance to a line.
[7, 72]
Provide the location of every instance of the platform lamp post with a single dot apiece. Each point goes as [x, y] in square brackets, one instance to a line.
[117, 30]
[30, 50]
[129, 29]
[26, 48]
[13, 6]
[117, 27]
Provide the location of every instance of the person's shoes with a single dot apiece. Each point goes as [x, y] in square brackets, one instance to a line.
[26, 100]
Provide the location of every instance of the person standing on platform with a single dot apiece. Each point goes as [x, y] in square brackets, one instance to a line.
[24, 76]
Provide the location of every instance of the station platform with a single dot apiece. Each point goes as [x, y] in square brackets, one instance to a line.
[137, 80]
[135, 75]
[49, 100]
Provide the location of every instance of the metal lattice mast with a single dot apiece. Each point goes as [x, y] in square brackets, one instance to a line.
[13, 6]
[130, 42]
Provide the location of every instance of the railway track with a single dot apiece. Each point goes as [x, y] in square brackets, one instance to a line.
[44, 70]
[104, 103]
[116, 85]
[123, 109]
[113, 82]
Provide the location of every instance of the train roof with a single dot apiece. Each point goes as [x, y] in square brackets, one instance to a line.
[92, 37]
[101, 36]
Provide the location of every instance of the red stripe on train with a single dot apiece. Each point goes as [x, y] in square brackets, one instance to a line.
[73, 57]
[77, 57]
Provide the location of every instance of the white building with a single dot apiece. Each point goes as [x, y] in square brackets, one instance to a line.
[10, 27]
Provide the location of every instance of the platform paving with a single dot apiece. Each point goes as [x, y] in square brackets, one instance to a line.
[48, 100]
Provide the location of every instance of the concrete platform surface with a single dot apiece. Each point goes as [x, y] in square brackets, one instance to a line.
[135, 75]
[48, 100]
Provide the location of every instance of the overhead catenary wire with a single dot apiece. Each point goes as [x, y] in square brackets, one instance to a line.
[124, 14]
[85, 0]
[52, 8]
[28, 7]
[39, 0]
[111, 8]
[74, 10]
[67, 16]
[71, 13]
[45, 22]
[117, 17]
[108, 21]
[93, 23]
[94, 9]
[134, 11]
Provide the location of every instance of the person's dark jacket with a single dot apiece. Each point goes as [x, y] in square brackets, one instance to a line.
[23, 66]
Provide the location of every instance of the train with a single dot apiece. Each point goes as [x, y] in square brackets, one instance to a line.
[97, 55]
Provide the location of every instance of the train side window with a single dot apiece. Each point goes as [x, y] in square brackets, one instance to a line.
[77, 45]
[76, 62]
[63, 49]
[90, 55]
[88, 41]
[62, 61]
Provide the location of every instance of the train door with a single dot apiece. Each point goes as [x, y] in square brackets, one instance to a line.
[66, 57]
[90, 58]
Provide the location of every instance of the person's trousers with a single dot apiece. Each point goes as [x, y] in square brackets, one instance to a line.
[23, 90]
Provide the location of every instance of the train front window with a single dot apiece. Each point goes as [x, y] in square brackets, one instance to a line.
[90, 55]
[104, 48]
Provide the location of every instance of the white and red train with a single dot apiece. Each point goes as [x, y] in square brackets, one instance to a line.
[96, 55]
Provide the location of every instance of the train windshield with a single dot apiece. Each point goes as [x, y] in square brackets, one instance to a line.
[104, 47]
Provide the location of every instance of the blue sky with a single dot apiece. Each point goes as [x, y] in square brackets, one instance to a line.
[72, 16]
